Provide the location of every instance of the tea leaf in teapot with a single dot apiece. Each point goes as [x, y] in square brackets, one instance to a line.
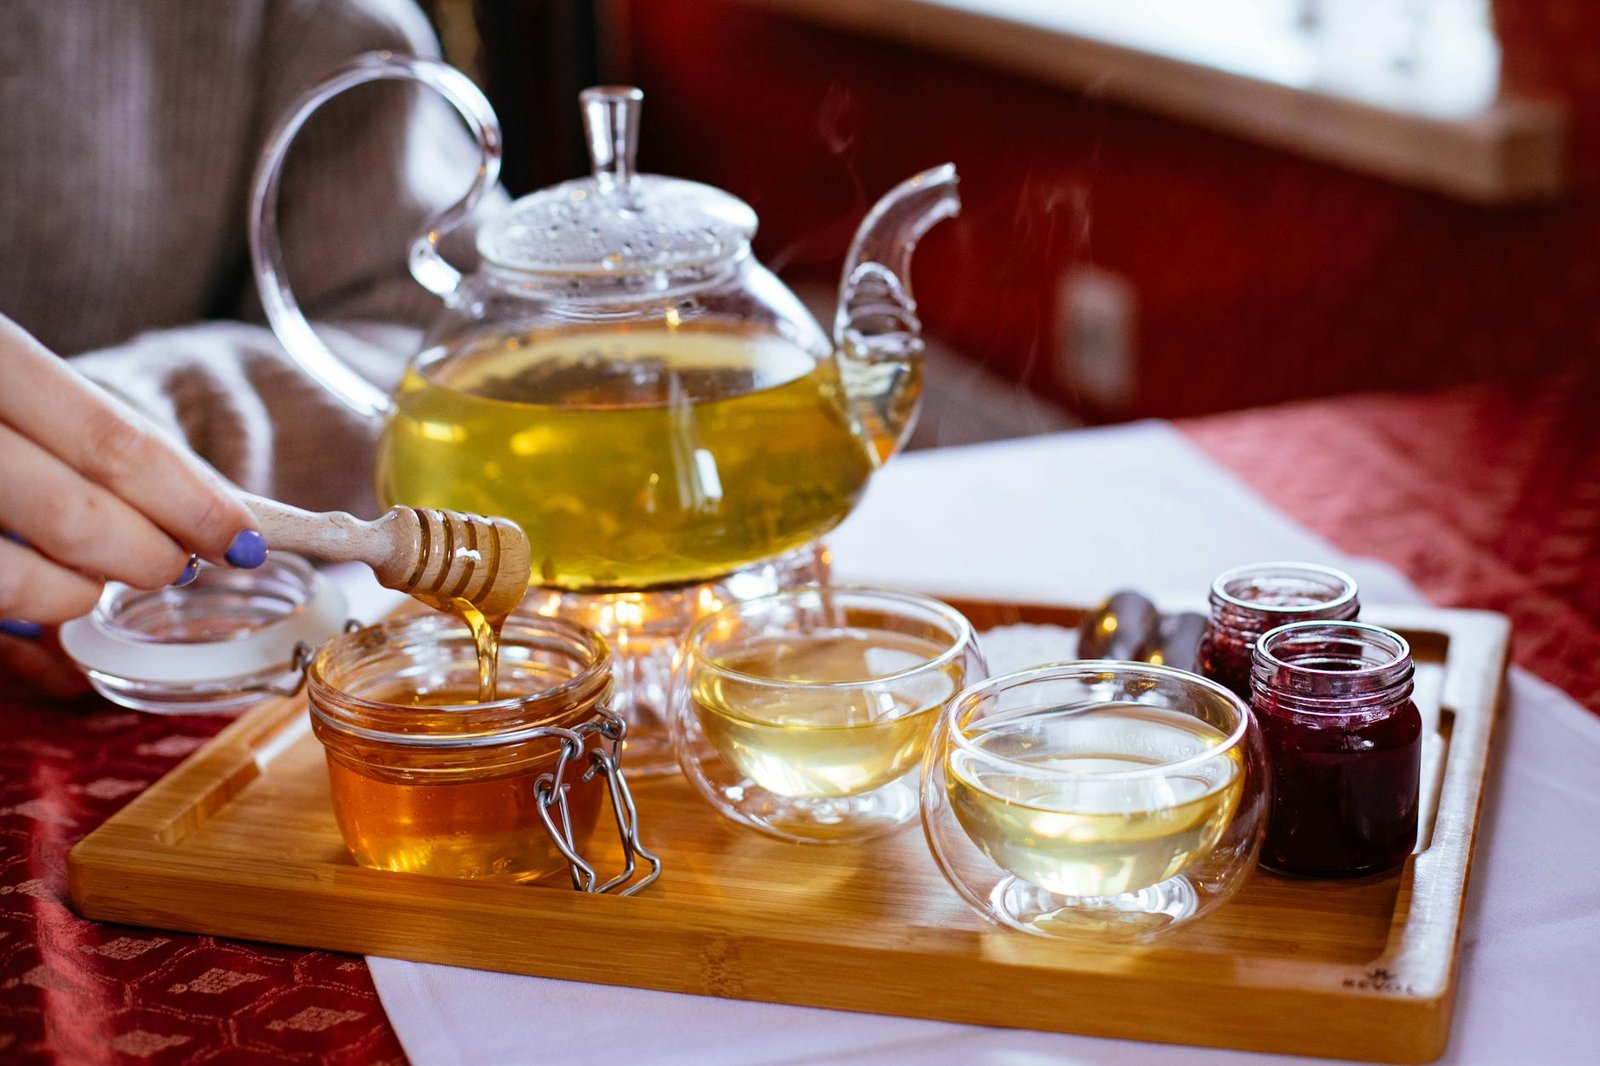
[593, 379]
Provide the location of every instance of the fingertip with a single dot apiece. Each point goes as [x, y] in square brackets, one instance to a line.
[247, 551]
[213, 531]
[78, 602]
[62, 607]
[190, 571]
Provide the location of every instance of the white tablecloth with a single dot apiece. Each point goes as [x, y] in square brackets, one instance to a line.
[1069, 518]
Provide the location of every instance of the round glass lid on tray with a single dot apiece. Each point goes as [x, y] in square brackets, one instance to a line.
[221, 643]
[617, 222]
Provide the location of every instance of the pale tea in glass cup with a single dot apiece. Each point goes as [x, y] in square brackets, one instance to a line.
[805, 714]
[1109, 800]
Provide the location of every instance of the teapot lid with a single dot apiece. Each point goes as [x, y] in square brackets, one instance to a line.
[617, 222]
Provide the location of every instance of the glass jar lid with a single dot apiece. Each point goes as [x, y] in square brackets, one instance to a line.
[225, 641]
[617, 222]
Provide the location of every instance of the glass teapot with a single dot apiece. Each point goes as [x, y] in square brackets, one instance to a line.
[620, 376]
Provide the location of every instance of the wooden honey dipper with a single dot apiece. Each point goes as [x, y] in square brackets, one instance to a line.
[435, 555]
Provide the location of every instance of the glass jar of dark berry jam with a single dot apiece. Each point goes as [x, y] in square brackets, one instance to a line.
[1249, 600]
[1344, 746]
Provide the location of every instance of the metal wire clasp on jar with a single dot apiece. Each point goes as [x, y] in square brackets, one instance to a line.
[425, 779]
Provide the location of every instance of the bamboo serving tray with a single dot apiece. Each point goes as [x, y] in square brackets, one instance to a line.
[240, 841]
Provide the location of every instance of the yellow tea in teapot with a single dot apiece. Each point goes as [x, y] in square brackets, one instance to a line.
[632, 457]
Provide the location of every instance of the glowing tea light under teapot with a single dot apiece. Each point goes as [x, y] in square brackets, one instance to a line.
[625, 381]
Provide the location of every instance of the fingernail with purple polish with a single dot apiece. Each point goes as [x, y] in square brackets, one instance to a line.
[190, 571]
[16, 627]
[248, 550]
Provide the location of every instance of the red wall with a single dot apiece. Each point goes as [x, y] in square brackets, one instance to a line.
[1260, 275]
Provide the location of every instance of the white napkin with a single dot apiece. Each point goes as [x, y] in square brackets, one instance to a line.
[1068, 518]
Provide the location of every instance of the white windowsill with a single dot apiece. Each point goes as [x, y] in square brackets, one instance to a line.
[1508, 150]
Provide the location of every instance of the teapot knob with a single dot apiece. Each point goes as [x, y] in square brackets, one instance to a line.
[611, 125]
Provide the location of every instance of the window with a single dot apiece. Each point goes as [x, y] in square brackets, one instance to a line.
[1406, 89]
[1433, 57]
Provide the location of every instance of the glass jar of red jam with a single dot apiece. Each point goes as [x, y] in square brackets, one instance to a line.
[1344, 746]
[1247, 601]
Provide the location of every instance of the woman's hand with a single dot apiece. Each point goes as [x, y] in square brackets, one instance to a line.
[91, 491]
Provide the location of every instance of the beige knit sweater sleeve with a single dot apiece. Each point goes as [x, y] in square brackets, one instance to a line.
[134, 257]
[231, 394]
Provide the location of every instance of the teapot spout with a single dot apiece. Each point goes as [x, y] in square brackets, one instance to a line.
[876, 332]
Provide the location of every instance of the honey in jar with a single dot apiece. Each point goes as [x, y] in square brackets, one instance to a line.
[426, 779]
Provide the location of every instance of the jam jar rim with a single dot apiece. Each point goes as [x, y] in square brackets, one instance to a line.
[1219, 590]
[595, 678]
[965, 635]
[1399, 687]
[1234, 739]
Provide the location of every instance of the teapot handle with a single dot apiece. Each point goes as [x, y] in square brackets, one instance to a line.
[427, 265]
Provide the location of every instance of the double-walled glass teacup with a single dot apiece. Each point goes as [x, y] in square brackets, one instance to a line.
[805, 714]
[1098, 799]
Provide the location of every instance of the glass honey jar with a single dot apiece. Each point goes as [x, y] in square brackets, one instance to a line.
[424, 779]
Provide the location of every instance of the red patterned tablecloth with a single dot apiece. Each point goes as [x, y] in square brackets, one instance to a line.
[73, 991]
[1484, 497]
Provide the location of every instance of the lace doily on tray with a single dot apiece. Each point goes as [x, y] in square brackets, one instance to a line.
[1019, 646]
